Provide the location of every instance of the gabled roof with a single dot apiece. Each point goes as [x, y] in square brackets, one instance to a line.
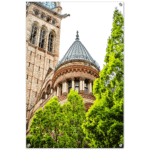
[77, 51]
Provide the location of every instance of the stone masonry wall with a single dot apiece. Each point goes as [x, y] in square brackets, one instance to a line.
[39, 60]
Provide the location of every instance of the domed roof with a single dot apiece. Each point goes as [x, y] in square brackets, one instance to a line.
[77, 51]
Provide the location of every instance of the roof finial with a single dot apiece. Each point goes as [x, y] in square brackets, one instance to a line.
[77, 36]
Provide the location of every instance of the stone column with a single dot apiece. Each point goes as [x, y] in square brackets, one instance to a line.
[64, 87]
[67, 87]
[58, 90]
[32, 78]
[55, 92]
[45, 56]
[82, 85]
[38, 36]
[46, 96]
[51, 91]
[36, 49]
[80, 88]
[72, 79]
[90, 87]
[27, 43]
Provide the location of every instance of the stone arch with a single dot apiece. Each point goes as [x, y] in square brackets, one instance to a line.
[42, 15]
[53, 32]
[44, 30]
[48, 89]
[43, 95]
[36, 10]
[51, 35]
[34, 32]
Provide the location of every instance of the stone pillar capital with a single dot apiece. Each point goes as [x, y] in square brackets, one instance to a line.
[64, 81]
[90, 81]
[58, 85]
[72, 78]
[82, 78]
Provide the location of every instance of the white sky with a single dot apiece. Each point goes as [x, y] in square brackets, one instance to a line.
[93, 20]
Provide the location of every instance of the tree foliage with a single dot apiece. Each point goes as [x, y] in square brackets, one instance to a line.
[59, 126]
[44, 128]
[104, 121]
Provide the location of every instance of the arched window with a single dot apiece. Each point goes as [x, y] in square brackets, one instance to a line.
[42, 16]
[54, 21]
[77, 85]
[36, 12]
[41, 41]
[48, 18]
[69, 86]
[43, 95]
[86, 86]
[33, 34]
[48, 89]
[50, 42]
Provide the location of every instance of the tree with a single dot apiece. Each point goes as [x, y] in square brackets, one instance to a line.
[52, 119]
[44, 128]
[59, 126]
[104, 121]
[36, 130]
[74, 115]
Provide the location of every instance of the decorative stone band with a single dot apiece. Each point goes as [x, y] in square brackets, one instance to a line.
[74, 72]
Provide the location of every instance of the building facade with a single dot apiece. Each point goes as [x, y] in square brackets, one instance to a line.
[46, 76]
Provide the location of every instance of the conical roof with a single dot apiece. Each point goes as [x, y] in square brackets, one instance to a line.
[77, 51]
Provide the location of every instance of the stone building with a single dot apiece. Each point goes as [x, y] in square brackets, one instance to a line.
[46, 75]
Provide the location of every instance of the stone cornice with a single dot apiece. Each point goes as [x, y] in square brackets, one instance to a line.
[31, 45]
[47, 21]
[80, 68]
[51, 11]
[45, 8]
[73, 61]
[43, 50]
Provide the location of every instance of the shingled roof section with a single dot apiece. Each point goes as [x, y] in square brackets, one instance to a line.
[77, 51]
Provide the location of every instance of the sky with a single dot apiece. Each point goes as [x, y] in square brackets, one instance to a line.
[94, 21]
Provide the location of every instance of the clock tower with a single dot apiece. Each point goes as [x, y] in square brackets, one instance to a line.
[43, 24]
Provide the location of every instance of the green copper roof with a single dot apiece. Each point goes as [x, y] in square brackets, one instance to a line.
[77, 51]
